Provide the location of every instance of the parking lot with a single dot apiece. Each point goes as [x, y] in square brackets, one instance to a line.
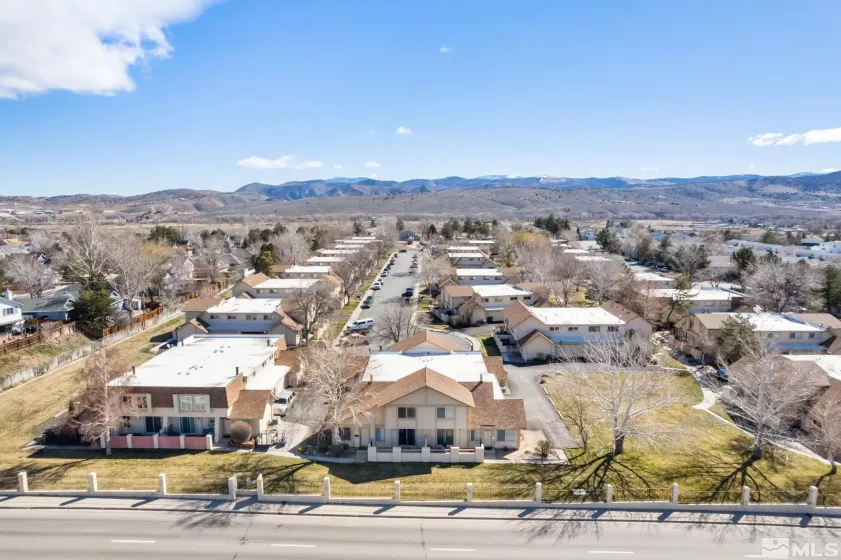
[394, 285]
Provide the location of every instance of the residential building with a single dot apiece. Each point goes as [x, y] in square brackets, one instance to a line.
[488, 303]
[429, 342]
[309, 271]
[10, 312]
[634, 323]
[653, 280]
[335, 252]
[58, 305]
[783, 332]
[697, 300]
[423, 400]
[592, 258]
[541, 332]
[475, 259]
[202, 386]
[476, 276]
[324, 260]
[261, 286]
[242, 316]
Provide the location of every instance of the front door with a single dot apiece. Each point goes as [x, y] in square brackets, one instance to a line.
[487, 437]
[406, 437]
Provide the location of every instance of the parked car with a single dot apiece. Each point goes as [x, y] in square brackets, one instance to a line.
[402, 250]
[283, 402]
[366, 303]
[384, 273]
[376, 285]
[361, 324]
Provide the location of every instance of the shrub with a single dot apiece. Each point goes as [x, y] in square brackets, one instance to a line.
[240, 432]
[543, 447]
[334, 451]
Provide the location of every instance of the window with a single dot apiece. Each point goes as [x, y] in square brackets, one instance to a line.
[214, 316]
[379, 434]
[474, 435]
[795, 335]
[485, 300]
[406, 412]
[273, 291]
[185, 402]
[344, 434]
[572, 329]
[445, 437]
[814, 335]
[250, 317]
[265, 317]
[613, 328]
[231, 317]
[154, 424]
[554, 329]
[499, 299]
[506, 435]
[188, 425]
[525, 298]
[595, 329]
[406, 437]
[447, 413]
[125, 421]
[201, 402]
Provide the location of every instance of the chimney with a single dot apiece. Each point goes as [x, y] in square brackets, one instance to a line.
[237, 371]
[9, 295]
[133, 370]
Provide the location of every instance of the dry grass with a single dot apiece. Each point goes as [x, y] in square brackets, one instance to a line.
[38, 353]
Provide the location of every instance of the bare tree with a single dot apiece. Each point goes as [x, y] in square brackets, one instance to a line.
[349, 270]
[565, 277]
[85, 252]
[334, 378]
[602, 279]
[506, 247]
[535, 261]
[778, 286]
[136, 263]
[387, 237]
[41, 241]
[621, 396]
[825, 426]
[767, 394]
[397, 321]
[433, 271]
[103, 399]
[35, 277]
[290, 247]
[312, 304]
[211, 255]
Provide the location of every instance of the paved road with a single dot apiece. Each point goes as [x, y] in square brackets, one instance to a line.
[53, 534]
[394, 285]
[523, 381]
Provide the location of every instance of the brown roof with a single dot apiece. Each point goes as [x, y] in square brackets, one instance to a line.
[833, 345]
[202, 304]
[456, 291]
[532, 286]
[280, 268]
[502, 414]
[533, 334]
[255, 279]
[432, 337]
[494, 366]
[711, 321]
[415, 381]
[331, 278]
[199, 325]
[824, 319]
[516, 313]
[815, 374]
[250, 404]
[615, 308]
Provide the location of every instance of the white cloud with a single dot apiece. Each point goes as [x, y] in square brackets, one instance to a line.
[829, 170]
[820, 136]
[83, 46]
[403, 131]
[644, 169]
[371, 164]
[283, 162]
[338, 166]
[445, 50]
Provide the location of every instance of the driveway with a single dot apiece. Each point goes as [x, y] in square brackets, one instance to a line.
[393, 286]
[523, 381]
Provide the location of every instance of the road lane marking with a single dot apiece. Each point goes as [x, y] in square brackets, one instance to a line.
[292, 545]
[453, 549]
[610, 552]
[126, 541]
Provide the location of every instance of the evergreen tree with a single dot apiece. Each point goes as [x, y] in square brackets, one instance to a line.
[831, 288]
[357, 228]
[400, 225]
[94, 304]
[738, 338]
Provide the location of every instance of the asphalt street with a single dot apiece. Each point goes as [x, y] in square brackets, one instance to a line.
[393, 287]
[524, 383]
[70, 533]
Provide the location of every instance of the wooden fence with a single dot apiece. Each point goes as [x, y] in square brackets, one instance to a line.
[42, 335]
[138, 320]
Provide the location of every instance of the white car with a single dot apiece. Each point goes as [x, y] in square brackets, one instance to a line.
[361, 325]
[376, 285]
[283, 402]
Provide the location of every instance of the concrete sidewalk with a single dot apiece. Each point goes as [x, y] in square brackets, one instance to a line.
[250, 506]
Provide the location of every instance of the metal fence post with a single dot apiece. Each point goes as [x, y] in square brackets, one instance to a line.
[397, 491]
[23, 482]
[92, 486]
[469, 492]
[162, 484]
[538, 492]
[232, 487]
[813, 497]
[326, 487]
[608, 494]
[260, 490]
[745, 495]
[675, 492]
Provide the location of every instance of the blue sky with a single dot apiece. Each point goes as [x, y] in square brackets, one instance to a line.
[291, 90]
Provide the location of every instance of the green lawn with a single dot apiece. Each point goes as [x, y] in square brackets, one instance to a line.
[710, 460]
[489, 347]
[348, 309]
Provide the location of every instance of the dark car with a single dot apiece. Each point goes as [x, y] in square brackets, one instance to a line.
[402, 250]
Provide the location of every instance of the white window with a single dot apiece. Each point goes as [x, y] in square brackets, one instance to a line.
[446, 413]
[250, 317]
[379, 434]
[265, 317]
[201, 402]
[554, 329]
[474, 435]
[231, 317]
[506, 435]
[485, 300]
[498, 299]
[214, 316]
[795, 335]
[406, 412]
[613, 328]
[273, 291]
[814, 335]
[572, 329]
[595, 329]
[525, 298]
[185, 402]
